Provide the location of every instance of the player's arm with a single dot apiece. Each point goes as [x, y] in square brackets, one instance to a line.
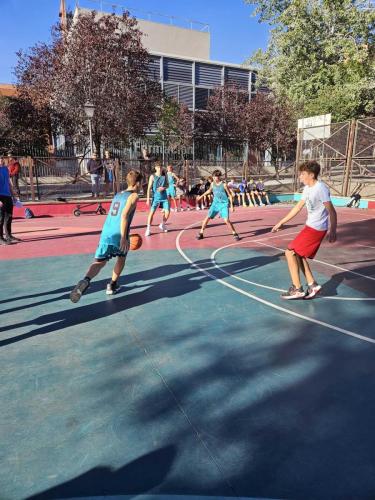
[230, 196]
[332, 221]
[209, 191]
[295, 210]
[129, 206]
[149, 187]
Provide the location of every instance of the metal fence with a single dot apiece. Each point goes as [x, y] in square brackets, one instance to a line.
[346, 153]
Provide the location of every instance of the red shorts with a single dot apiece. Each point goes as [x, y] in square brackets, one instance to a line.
[307, 242]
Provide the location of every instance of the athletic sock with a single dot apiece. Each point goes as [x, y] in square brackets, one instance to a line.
[87, 278]
[113, 282]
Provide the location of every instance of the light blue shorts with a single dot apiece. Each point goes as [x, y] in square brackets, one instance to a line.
[106, 252]
[219, 208]
[164, 204]
[171, 191]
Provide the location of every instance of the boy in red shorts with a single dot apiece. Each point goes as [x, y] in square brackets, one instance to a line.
[317, 198]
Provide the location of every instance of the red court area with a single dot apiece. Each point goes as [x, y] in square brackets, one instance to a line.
[57, 236]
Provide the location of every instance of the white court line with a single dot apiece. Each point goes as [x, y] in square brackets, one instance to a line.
[213, 255]
[262, 301]
[367, 246]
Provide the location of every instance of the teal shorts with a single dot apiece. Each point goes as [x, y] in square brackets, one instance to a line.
[171, 191]
[219, 208]
[164, 204]
[107, 252]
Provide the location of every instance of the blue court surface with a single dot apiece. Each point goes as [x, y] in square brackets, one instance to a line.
[196, 380]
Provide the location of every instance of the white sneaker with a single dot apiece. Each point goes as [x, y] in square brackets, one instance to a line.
[163, 228]
[197, 208]
[148, 232]
[312, 290]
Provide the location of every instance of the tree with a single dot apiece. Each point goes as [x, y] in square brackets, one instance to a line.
[223, 120]
[321, 55]
[99, 59]
[270, 125]
[21, 125]
[174, 127]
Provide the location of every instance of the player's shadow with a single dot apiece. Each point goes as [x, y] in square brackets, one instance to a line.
[351, 280]
[126, 279]
[137, 477]
[176, 286]
[63, 236]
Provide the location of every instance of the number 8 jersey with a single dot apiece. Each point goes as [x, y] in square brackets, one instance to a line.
[111, 232]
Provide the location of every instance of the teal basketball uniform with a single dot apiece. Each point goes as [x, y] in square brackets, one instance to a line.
[109, 244]
[160, 198]
[220, 204]
[171, 190]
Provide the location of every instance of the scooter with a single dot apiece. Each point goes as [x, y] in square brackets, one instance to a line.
[100, 210]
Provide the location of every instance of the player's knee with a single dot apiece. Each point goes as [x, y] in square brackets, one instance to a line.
[288, 253]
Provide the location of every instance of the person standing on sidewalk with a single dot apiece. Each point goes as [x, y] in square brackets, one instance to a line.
[95, 169]
[6, 207]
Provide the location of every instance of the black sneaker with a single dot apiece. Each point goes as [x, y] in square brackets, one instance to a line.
[112, 288]
[13, 238]
[236, 237]
[312, 290]
[5, 242]
[200, 236]
[293, 293]
[79, 290]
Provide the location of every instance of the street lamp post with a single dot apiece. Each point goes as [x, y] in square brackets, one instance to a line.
[89, 111]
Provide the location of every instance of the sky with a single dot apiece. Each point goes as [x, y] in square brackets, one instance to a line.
[235, 34]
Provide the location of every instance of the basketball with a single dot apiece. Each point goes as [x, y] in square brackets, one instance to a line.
[135, 241]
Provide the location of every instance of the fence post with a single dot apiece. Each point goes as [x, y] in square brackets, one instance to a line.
[30, 163]
[298, 156]
[116, 177]
[349, 157]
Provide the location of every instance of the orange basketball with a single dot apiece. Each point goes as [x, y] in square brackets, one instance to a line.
[135, 241]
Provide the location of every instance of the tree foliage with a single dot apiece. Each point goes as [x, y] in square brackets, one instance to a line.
[175, 124]
[21, 122]
[100, 59]
[321, 55]
[222, 121]
[270, 125]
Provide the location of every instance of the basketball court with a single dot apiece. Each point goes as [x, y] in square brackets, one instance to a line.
[195, 380]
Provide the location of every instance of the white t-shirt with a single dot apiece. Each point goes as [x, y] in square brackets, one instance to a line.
[314, 197]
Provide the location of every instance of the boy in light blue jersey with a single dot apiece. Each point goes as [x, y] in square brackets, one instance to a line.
[157, 186]
[220, 204]
[171, 190]
[114, 240]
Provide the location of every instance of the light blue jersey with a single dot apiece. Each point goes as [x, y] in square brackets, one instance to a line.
[220, 204]
[171, 180]
[159, 181]
[171, 190]
[109, 244]
[220, 195]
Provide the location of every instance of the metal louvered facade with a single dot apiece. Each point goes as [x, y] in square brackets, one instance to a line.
[190, 82]
[177, 70]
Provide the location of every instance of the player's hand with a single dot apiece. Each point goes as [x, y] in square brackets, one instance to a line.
[124, 245]
[277, 227]
[161, 189]
[332, 235]
[148, 202]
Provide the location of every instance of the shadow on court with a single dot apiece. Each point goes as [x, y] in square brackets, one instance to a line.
[137, 477]
[148, 292]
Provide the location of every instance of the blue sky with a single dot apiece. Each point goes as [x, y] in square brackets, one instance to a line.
[234, 33]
